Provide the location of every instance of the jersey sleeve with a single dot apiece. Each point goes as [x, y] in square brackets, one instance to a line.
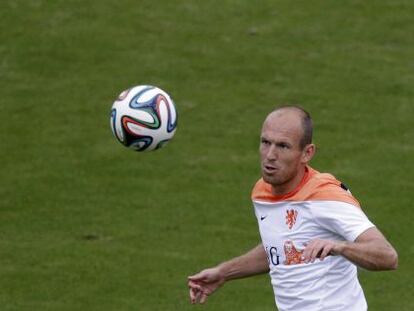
[342, 218]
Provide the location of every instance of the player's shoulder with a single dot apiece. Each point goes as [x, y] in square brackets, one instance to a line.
[316, 187]
[262, 191]
[325, 187]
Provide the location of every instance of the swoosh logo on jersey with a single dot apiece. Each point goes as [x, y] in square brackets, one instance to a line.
[263, 217]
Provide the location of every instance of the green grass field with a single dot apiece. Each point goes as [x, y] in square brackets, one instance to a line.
[87, 224]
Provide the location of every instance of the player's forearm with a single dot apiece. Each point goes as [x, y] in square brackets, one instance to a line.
[252, 263]
[372, 255]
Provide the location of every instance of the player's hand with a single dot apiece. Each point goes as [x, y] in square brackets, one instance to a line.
[204, 283]
[319, 248]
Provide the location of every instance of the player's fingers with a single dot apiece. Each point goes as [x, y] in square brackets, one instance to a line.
[325, 252]
[203, 298]
[317, 247]
[197, 296]
[307, 252]
[194, 285]
[198, 276]
[193, 295]
[194, 277]
[315, 251]
[200, 295]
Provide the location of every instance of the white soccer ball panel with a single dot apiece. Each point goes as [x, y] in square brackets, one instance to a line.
[173, 112]
[143, 118]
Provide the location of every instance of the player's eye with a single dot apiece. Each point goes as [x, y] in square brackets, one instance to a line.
[283, 145]
[265, 141]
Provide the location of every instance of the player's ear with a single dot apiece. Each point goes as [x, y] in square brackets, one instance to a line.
[308, 153]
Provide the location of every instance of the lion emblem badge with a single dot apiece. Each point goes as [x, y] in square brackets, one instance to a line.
[291, 216]
[293, 256]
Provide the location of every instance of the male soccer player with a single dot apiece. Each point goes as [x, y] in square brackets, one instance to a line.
[314, 233]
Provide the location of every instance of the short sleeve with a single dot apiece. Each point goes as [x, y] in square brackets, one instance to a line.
[342, 218]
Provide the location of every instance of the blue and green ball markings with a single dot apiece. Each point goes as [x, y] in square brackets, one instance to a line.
[151, 106]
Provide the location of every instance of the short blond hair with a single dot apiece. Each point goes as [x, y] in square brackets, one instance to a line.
[307, 123]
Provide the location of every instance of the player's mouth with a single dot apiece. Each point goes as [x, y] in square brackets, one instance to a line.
[269, 169]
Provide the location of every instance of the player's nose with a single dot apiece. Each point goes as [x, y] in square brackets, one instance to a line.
[271, 153]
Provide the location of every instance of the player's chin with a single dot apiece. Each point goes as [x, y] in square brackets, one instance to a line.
[269, 178]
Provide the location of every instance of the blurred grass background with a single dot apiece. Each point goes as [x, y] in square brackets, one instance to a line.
[89, 225]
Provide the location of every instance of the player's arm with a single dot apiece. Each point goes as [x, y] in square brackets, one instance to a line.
[204, 283]
[252, 263]
[370, 250]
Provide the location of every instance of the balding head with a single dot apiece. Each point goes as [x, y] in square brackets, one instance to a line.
[295, 114]
[286, 147]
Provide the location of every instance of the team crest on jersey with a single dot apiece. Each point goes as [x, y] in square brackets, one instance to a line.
[292, 255]
[291, 216]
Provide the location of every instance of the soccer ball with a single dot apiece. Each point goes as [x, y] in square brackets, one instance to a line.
[143, 118]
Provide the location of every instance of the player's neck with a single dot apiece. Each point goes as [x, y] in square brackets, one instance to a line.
[292, 185]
